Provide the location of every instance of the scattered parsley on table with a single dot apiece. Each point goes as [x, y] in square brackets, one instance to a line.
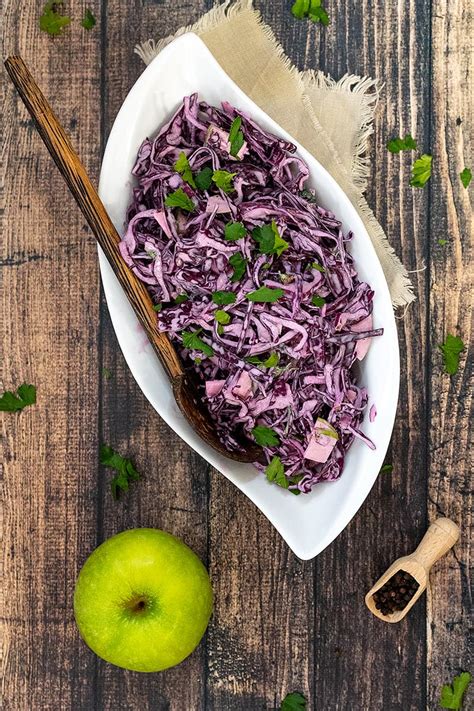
[395, 145]
[24, 396]
[452, 694]
[126, 472]
[293, 702]
[51, 20]
[451, 349]
[88, 21]
[466, 177]
[310, 9]
[421, 171]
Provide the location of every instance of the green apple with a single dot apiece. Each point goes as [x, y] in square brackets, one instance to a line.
[143, 600]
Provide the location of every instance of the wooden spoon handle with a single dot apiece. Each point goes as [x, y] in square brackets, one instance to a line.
[86, 197]
[438, 539]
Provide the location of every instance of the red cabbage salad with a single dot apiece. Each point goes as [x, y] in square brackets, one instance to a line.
[253, 282]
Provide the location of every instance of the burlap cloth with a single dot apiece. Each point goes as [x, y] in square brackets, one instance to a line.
[332, 119]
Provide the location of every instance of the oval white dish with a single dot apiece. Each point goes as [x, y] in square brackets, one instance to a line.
[308, 523]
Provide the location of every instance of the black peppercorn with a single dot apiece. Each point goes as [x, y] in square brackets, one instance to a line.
[396, 593]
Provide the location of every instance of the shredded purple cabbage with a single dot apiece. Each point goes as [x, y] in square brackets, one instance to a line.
[307, 392]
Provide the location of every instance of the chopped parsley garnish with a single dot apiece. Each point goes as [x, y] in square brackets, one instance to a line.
[293, 702]
[157, 307]
[192, 341]
[276, 474]
[51, 21]
[452, 694]
[451, 349]
[466, 177]
[24, 396]
[269, 239]
[106, 373]
[126, 472]
[312, 9]
[318, 267]
[223, 298]
[318, 301]
[180, 299]
[421, 171]
[184, 169]
[222, 317]
[442, 242]
[265, 295]
[308, 196]
[88, 21]
[386, 469]
[236, 137]
[395, 145]
[224, 180]
[203, 178]
[265, 436]
[239, 265]
[270, 362]
[234, 231]
[180, 199]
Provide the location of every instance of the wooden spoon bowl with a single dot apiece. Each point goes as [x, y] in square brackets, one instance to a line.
[439, 538]
[58, 144]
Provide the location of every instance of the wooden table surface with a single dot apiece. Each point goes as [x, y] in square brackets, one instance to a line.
[279, 624]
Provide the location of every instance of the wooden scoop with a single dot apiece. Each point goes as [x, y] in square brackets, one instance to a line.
[438, 539]
[86, 197]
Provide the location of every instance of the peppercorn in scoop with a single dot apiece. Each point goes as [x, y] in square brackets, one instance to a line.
[396, 593]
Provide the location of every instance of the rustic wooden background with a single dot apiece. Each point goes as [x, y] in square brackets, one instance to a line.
[279, 624]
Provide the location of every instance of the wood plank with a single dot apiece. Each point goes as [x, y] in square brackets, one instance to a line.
[361, 662]
[50, 295]
[173, 492]
[451, 301]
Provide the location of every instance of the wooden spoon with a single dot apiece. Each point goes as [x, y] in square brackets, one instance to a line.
[86, 197]
[438, 539]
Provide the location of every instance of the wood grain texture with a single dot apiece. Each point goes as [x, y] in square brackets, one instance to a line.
[451, 302]
[279, 624]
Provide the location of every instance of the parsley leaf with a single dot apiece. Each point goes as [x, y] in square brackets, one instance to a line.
[451, 349]
[269, 362]
[223, 179]
[223, 298]
[222, 317]
[24, 396]
[106, 373]
[184, 169]
[421, 171]
[192, 341]
[442, 242]
[88, 21]
[239, 265]
[203, 178]
[180, 199]
[269, 239]
[51, 21]
[395, 145]
[318, 301]
[318, 267]
[386, 469]
[276, 474]
[157, 307]
[451, 694]
[126, 472]
[234, 230]
[308, 196]
[265, 436]
[311, 9]
[264, 294]
[466, 177]
[293, 702]
[236, 137]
